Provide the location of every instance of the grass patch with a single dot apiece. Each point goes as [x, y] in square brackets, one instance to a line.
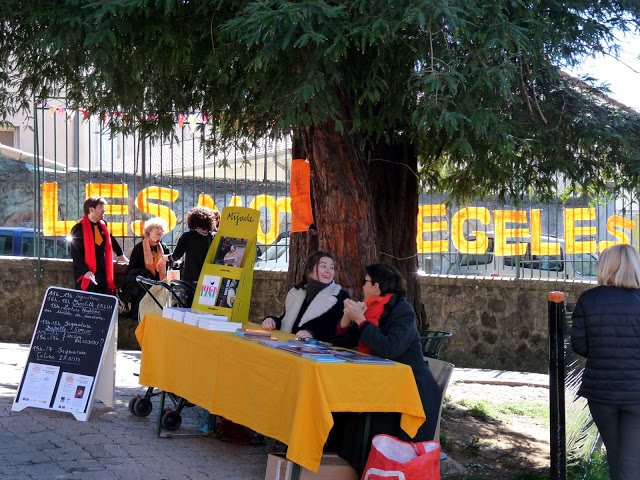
[483, 410]
[444, 441]
[538, 411]
[479, 409]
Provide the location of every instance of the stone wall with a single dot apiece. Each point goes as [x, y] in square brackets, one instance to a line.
[496, 322]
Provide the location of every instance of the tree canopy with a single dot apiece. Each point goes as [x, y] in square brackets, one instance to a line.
[462, 96]
[476, 86]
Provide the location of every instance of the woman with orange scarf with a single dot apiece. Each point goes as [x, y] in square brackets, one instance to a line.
[144, 261]
[384, 325]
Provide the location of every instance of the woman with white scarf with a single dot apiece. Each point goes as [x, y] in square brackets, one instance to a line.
[315, 305]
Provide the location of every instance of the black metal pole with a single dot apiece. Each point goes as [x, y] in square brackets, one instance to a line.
[557, 439]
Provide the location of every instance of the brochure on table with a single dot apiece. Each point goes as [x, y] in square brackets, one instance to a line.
[226, 279]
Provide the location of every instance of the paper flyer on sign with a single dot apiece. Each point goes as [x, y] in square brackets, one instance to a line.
[73, 392]
[39, 383]
[209, 290]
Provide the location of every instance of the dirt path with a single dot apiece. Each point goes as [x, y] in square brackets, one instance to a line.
[495, 430]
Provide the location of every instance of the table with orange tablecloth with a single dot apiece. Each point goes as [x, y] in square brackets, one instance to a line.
[278, 394]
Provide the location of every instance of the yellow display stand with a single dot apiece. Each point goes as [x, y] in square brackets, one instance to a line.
[226, 279]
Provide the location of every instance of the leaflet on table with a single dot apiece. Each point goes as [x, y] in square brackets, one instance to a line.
[73, 392]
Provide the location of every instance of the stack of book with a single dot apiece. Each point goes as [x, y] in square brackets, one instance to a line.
[175, 313]
[254, 334]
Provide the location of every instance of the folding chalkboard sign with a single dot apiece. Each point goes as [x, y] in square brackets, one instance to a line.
[72, 354]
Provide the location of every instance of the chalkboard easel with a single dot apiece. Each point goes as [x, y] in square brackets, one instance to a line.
[72, 355]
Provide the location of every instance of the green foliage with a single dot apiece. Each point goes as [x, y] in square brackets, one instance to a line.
[475, 86]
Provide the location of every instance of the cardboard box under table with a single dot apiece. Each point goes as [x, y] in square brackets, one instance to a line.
[332, 467]
[273, 392]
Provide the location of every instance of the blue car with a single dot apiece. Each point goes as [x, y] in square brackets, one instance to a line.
[19, 242]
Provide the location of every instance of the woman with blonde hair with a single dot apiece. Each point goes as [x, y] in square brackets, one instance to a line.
[145, 261]
[606, 330]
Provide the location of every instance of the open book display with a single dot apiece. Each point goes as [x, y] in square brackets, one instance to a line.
[324, 353]
[230, 251]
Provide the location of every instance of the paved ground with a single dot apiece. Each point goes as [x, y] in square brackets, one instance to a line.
[113, 444]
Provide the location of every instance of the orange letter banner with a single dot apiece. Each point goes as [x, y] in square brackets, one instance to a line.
[500, 219]
[50, 224]
[613, 222]
[480, 244]
[301, 213]
[571, 216]
[429, 246]
[112, 190]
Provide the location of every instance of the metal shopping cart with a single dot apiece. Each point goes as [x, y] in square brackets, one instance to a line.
[180, 294]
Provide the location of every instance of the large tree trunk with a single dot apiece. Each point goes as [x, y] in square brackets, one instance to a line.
[394, 192]
[342, 207]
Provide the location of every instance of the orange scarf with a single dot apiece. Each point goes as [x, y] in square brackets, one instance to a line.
[151, 259]
[90, 252]
[375, 309]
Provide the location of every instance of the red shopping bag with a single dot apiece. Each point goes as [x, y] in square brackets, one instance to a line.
[393, 459]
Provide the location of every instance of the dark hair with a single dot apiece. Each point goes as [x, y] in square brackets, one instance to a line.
[311, 264]
[388, 279]
[200, 217]
[93, 202]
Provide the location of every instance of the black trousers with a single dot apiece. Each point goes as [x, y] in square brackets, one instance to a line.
[619, 426]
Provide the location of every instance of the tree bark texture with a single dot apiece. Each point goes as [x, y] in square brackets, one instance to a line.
[342, 207]
[394, 192]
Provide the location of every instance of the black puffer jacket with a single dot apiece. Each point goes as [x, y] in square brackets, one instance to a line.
[606, 330]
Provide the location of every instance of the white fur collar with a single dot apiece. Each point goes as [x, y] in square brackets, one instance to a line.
[322, 303]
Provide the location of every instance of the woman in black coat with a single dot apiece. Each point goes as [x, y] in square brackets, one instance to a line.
[314, 306]
[385, 325]
[606, 330]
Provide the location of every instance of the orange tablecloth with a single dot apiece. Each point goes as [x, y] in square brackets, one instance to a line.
[273, 392]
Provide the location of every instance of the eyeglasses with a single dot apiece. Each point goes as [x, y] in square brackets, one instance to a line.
[365, 281]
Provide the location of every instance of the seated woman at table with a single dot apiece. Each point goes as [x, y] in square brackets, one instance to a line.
[314, 306]
[384, 325]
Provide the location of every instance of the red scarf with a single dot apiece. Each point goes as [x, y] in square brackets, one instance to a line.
[375, 309]
[90, 252]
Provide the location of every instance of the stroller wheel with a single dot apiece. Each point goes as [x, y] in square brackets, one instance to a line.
[171, 420]
[132, 404]
[142, 407]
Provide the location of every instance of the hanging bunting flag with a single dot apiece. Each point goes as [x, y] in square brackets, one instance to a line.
[52, 111]
[301, 213]
[193, 120]
[180, 120]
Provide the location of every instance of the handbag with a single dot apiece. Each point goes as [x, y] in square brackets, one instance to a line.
[393, 459]
[148, 305]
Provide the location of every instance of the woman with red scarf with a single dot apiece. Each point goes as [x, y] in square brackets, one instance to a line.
[384, 324]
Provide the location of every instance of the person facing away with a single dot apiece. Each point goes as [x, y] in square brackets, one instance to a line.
[314, 306]
[606, 330]
[193, 244]
[384, 324]
[92, 248]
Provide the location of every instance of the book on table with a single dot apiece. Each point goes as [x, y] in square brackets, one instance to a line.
[354, 357]
[303, 349]
[254, 334]
[323, 358]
